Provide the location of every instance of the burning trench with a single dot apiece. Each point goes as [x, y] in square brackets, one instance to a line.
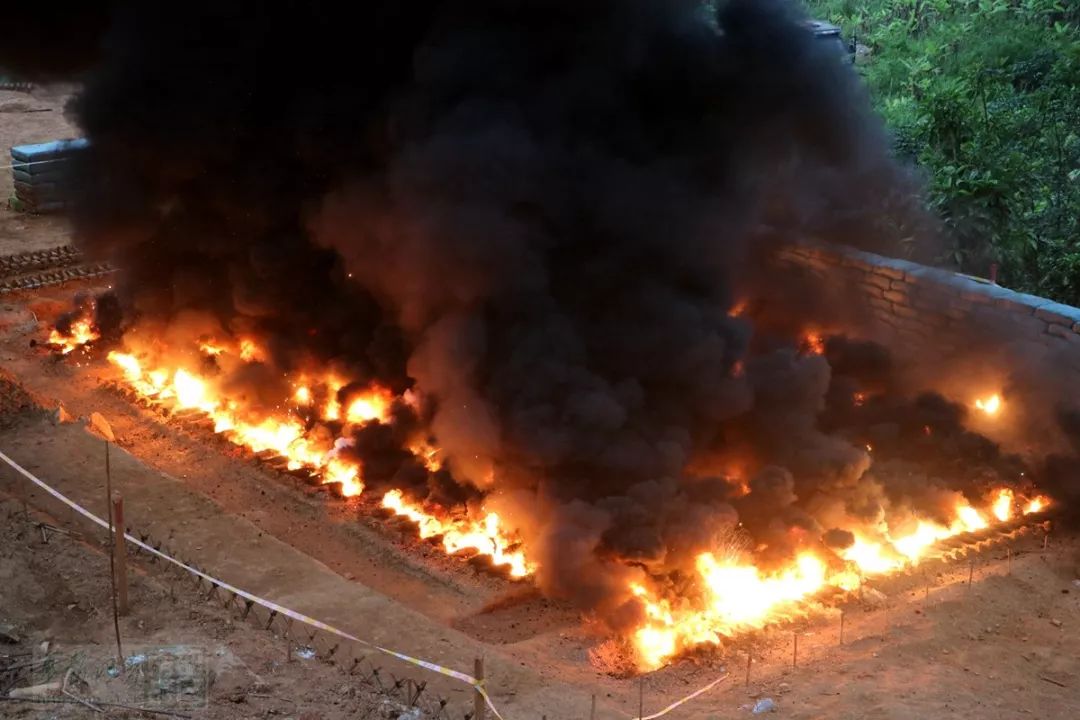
[308, 430]
[311, 429]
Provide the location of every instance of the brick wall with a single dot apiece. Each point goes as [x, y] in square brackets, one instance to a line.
[929, 315]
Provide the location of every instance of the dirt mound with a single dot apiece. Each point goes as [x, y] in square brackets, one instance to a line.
[15, 401]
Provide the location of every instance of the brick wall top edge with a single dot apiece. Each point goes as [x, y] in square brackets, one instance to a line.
[924, 274]
[1058, 313]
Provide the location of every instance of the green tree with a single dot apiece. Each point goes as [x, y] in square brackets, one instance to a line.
[984, 95]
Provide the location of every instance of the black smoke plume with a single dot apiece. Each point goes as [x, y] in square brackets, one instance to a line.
[540, 214]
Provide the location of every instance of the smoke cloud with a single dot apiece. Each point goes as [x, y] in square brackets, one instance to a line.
[539, 216]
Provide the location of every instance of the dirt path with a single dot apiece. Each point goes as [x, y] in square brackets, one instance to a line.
[57, 593]
[238, 552]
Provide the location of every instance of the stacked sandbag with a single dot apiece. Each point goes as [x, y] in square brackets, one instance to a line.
[42, 174]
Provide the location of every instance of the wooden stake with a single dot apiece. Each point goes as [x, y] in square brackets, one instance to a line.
[1008, 554]
[592, 708]
[841, 627]
[641, 698]
[112, 558]
[121, 555]
[479, 707]
[749, 659]
[971, 571]
[795, 650]
[1046, 537]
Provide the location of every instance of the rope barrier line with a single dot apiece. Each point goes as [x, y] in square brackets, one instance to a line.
[269, 604]
[677, 703]
[477, 685]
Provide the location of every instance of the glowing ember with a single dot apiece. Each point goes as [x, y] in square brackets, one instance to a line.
[485, 537]
[990, 405]
[81, 332]
[813, 344]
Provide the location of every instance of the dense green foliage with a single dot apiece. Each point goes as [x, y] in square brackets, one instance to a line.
[984, 96]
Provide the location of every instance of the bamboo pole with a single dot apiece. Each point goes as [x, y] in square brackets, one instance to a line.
[121, 555]
[112, 559]
[479, 707]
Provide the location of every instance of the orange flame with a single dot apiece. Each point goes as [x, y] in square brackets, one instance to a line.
[249, 351]
[372, 404]
[1003, 504]
[735, 594]
[287, 435]
[82, 332]
[1036, 504]
[485, 537]
[738, 596]
[284, 435]
[991, 405]
[813, 343]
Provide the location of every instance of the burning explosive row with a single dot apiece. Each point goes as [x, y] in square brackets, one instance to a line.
[737, 596]
[81, 332]
[311, 430]
[301, 431]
